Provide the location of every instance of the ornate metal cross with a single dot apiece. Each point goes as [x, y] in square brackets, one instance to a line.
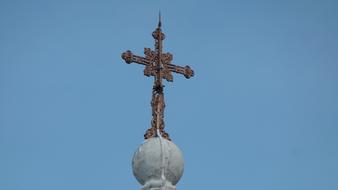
[159, 65]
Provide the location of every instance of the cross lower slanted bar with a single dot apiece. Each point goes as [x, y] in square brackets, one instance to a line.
[159, 65]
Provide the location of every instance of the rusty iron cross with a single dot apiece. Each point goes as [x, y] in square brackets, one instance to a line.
[158, 65]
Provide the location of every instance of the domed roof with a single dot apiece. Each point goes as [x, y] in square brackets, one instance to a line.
[158, 159]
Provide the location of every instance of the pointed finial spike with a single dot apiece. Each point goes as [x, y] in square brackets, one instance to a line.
[159, 19]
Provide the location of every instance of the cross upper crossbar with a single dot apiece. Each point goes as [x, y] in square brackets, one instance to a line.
[152, 68]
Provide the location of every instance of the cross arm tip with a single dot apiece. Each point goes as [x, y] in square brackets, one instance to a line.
[188, 72]
[127, 56]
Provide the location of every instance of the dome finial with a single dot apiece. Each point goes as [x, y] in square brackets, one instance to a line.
[158, 164]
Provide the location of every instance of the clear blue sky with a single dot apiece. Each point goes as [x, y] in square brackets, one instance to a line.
[260, 114]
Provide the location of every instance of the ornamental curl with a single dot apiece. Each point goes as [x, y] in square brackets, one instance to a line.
[127, 56]
[156, 34]
[188, 72]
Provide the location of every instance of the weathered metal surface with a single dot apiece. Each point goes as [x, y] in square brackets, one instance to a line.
[158, 65]
[158, 164]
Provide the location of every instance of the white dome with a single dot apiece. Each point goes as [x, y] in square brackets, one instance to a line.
[158, 161]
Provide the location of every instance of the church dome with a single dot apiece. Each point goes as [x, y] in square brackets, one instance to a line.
[158, 163]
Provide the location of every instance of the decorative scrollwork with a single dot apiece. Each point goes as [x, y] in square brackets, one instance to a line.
[166, 58]
[167, 75]
[156, 34]
[127, 56]
[188, 72]
[150, 55]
